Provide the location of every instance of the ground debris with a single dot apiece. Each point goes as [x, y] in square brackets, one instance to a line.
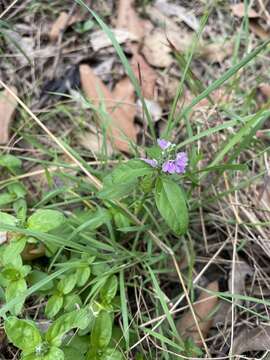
[7, 109]
[179, 12]
[204, 311]
[119, 122]
[256, 339]
[239, 10]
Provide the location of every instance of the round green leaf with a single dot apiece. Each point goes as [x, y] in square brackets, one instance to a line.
[75, 319]
[109, 289]
[7, 219]
[83, 274]
[54, 354]
[14, 289]
[72, 301]
[10, 161]
[171, 204]
[23, 334]
[111, 354]
[67, 283]
[45, 220]
[53, 305]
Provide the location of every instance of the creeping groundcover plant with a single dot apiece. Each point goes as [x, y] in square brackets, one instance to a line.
[76, 288]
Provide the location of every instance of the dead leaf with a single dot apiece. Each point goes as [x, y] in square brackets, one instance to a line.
[265, 90]
[64, 20]
[186, 325]
[179, 12]
[22, 47]
[239, 11]
[7, 109]
[33, 251]
[156, 50]
[217, 52]
[160, 20]
[259, 30]
[257, 339]
[153, 108]
[121, 122]
[145, 75]
[124, 95]
[94, 142]
[58, 26]
[3, 237]
[99, 39]
[242, 269]
[127, 18]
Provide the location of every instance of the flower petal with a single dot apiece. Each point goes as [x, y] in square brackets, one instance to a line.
[152, 162]
[163, 144]
[169, 167]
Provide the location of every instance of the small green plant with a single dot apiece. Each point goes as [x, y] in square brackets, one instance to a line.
[35, 345]
[158, 176]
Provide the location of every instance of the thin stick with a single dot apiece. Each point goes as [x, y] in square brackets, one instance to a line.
[8, 8]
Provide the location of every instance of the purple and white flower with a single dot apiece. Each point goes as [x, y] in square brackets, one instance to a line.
[152, 162]
[164, 144]
[170, 162]
[181, 162]
[169, 167]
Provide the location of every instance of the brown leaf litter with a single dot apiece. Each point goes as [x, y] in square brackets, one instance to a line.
[257, 339]
[146, 76]
[203, 310]
[64, 20]
[239, 10]
[241, 271]
[120, 120]
[99, 39]
[179, 13]
[7, 110]
[128, 19]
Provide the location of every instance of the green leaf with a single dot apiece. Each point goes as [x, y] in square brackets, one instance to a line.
[45, 220]
[123, 178]
[171, 204]
[67, 283]
[72, 353]
[7, 219]
[130, 170]
[71, 302]
[17, 189]
[83, 274]
[75, 319]
[53, 354]
[23, 334]
[36, 276]
[11, 274]
[20, 208]
[10, 161]
[111, 354]
[108, 291]
[112, 191]
[54, 305]
[14, 289]
[6, 198]
[102, 330]
[12, 251]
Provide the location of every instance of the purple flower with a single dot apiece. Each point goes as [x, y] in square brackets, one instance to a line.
[164, 144]
[169, 167]
[181, 162]
[152, 162]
